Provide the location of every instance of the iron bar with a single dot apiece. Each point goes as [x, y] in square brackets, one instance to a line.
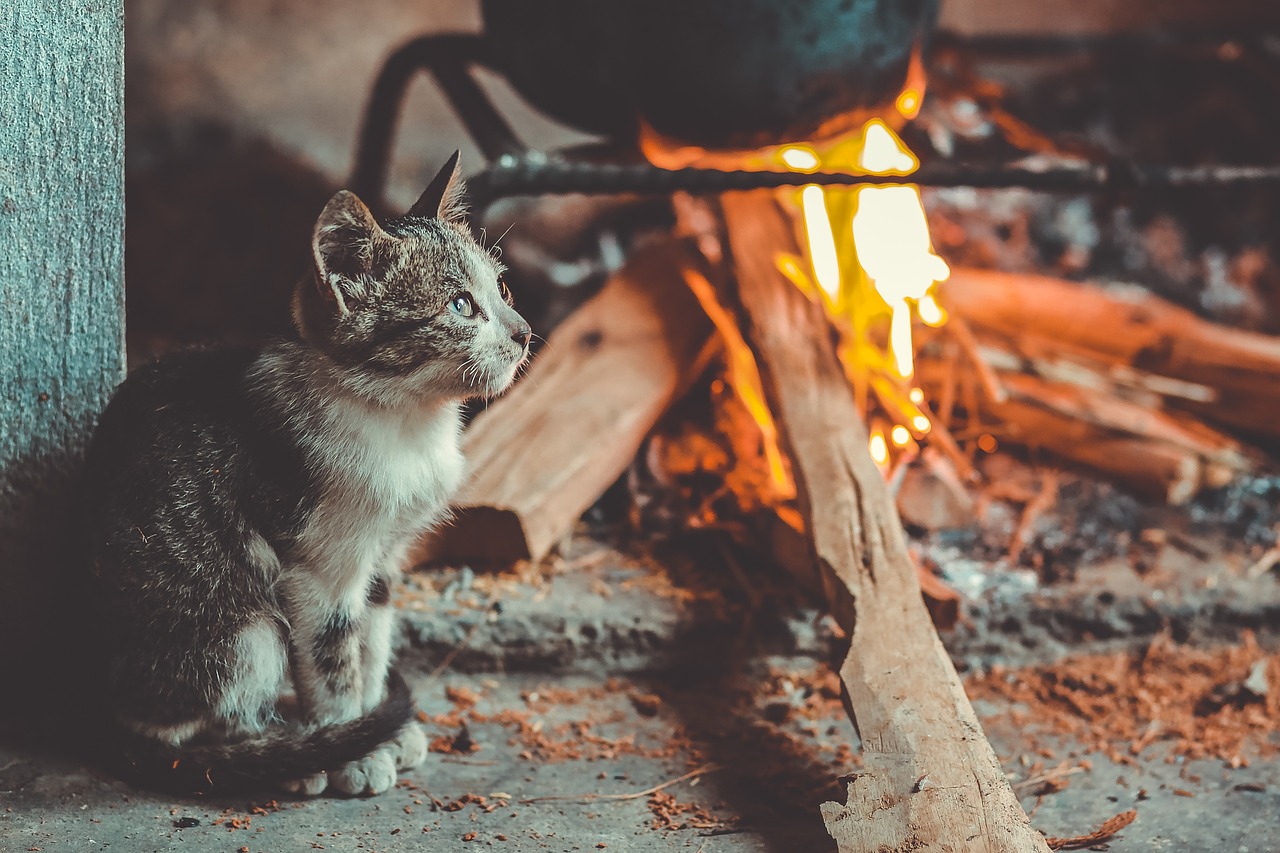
[531, 175]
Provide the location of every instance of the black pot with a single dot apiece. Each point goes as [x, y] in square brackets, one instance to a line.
[717, 73]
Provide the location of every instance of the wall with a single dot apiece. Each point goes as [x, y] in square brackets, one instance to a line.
[61, 281]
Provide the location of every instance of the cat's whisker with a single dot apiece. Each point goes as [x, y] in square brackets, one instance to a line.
[496, 250]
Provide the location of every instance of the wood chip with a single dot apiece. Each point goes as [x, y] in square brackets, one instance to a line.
[1102, 833]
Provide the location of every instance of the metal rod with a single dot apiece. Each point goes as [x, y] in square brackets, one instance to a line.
[447, 58]
[512, 176]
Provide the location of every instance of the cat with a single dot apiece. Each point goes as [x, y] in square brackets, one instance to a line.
[246, 512]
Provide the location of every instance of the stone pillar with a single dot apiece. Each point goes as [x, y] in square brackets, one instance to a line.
[61, 286]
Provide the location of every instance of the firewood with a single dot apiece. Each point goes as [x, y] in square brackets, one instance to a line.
[1150, 468]
[1221, 457]
[541, 455]
[1076, 411]
[1131, 326]
[932, 495]
[930, 780]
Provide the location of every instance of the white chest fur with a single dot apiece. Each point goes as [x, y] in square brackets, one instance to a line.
[385, 477]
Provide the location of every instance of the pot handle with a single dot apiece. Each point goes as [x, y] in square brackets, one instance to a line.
[447, 58]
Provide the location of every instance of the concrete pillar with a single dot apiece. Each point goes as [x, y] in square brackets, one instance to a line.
[61, 284]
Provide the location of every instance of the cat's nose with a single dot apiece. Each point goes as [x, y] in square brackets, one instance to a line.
[522, 334]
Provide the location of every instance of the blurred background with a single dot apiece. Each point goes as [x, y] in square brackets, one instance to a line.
[243, 117]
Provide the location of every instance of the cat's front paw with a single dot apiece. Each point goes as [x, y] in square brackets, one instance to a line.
[373, 774]
[409, 747]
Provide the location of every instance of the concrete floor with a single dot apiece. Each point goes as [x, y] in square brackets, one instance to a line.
[555, 662]
[760, 802]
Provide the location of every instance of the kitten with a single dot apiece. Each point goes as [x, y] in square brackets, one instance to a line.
[247, 512]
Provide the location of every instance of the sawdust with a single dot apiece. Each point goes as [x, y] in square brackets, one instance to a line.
[1222, 703]
[671, 814]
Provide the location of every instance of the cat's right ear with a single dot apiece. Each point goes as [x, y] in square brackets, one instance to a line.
[445, 197]
[344, 248]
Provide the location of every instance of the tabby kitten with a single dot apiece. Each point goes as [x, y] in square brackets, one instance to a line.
[247, 512]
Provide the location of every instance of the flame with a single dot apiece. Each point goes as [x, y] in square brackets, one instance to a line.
[891, 234]
[822, 242]
[908, 103]
[868, 258]
[879, 448]
[744, 378]
[869, 252]
[911, 98]
[800, 158]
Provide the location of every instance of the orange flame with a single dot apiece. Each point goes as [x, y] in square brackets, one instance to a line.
[744, 378]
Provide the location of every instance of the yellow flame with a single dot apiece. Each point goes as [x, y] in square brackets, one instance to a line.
[879, 448]
[930, 311]
[912, 96]
[822, 243]
[891, 235]
[800, 158]
[870, 254]
[908, 103]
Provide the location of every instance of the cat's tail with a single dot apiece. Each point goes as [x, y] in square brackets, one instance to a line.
[268, 760]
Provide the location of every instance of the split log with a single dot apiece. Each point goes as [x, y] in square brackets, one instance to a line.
[541, 455]
[1150, 468]
[1086, 413]
[1080, 411]
[1134, 327]
[930, 780]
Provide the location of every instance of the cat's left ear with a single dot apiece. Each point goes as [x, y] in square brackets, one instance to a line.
[345, 247]
[444, 197]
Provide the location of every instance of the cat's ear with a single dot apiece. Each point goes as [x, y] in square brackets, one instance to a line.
[343, 247]
[444, 197]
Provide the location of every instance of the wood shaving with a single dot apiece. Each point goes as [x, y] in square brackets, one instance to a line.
[1108, 829]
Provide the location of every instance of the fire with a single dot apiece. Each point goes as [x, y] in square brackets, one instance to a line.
[744, 378]
[868, 257]
[879, 448]
[869, 252]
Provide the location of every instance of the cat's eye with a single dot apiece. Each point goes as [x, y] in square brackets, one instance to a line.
[463, 305]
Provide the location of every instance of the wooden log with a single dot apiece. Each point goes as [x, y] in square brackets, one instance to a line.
[541, 455]
[1220, 457]
[1081, 411]
[62, 324]
[930, 780]
[1148, 467]
[1134, 327]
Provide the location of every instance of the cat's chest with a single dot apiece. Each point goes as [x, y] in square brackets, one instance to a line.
[397, 466]
[386, 477]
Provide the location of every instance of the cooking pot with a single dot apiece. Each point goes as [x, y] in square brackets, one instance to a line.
[735, 74]
[715, 73]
